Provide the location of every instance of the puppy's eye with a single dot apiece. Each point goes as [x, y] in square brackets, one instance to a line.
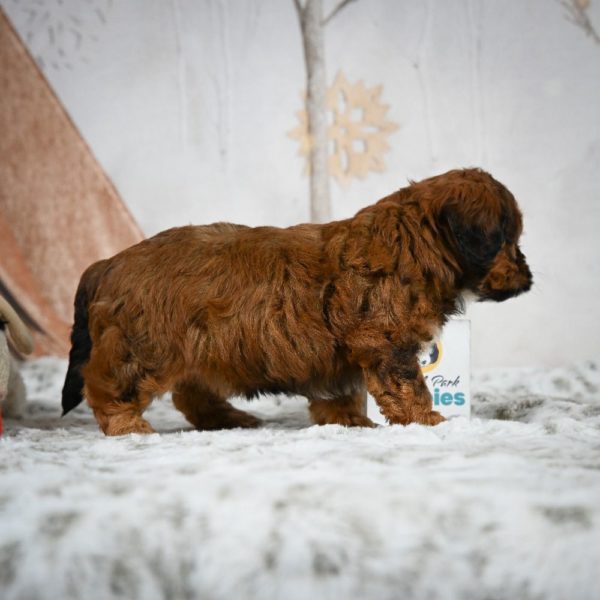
[497, 238]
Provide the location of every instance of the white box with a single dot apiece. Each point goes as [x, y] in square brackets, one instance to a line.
[446, 365]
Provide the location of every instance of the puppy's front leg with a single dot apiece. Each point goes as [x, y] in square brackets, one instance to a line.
[401, 393]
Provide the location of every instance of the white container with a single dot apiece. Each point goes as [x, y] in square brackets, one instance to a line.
[446, 365]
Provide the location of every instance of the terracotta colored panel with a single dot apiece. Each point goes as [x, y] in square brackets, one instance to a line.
[60, 207]
[16, 282]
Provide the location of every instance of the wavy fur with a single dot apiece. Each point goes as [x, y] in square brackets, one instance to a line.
[324, 311]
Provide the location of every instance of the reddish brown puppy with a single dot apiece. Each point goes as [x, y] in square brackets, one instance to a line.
[324, 311]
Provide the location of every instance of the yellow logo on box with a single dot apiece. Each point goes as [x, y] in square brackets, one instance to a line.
[431, 358]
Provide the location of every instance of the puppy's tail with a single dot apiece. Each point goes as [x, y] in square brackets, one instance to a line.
[81, 343]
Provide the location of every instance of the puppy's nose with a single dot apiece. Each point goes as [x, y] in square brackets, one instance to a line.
[527, 279]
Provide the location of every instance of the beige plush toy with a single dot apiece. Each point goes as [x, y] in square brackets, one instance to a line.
[12, 389]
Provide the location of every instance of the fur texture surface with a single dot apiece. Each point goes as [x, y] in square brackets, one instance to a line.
[506, 503]
[325, 311]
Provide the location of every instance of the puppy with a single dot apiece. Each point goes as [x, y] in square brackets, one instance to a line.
[324, 311]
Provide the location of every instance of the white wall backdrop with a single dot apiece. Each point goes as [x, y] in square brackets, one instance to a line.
[188, 104]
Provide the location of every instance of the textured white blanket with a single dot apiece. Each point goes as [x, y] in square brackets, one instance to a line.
[506, 505]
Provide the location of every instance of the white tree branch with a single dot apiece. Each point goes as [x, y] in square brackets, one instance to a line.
[336, 10]
[576, 13]
[311, 26]
[299, 8]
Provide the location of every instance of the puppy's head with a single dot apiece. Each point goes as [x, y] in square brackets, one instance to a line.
[481, 223]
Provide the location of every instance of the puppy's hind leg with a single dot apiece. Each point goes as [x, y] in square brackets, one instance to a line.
[345, 410]
[116, 413]
[205, 410]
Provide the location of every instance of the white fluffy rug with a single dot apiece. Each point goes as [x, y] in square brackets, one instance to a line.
[506, 505]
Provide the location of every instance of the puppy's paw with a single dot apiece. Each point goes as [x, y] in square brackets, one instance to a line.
[359, 421]
[432, 418]
[125, 426]
[245, 421]
[345, 419]
[228, 418]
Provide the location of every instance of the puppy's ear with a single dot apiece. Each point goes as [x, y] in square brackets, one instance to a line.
[477, 242]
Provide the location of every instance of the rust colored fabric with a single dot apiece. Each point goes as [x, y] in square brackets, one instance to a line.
[59, 212]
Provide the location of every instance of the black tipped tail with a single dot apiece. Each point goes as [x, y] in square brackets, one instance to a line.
[81, 347]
